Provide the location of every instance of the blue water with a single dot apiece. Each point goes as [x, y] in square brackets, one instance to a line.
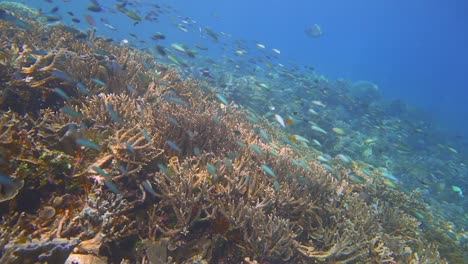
[414, 50]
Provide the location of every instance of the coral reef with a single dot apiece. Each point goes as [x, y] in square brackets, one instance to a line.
[20, 10]
[129, 162]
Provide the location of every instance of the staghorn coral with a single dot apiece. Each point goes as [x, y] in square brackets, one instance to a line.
[346, 236]
[212, 200]
[105, 213]
[188, 206]
[265, 237]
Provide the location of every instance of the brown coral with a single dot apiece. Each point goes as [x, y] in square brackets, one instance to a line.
[163, 166]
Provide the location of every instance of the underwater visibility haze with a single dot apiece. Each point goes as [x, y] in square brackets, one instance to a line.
[144, 131]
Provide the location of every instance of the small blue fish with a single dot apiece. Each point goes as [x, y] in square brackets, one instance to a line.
[130, 147]
[367, 171]
[228, 163]
[67, 110]
[173, 146]
[164, 83]
[390, 176]
[268, 170]
[241, 144]
[273, 153]
[305, 165]
[164, 169]
[264, 135]
[191, 134]
[295, 162]
[211, 169]
[276, 186]
[256, 148]
[146, 135]
[148, 188]
[62, 93]
[131, 89]
[113, 114]
[123, 170]
[83, 89]
[112, 186]
[174, 99]
[52, 18]
[100, 171]
[88, 143]
[61, 75]
[197, 151]
[253, 119]
[328, 167]
[222, 99]
[73, 129]
[98, 82]
[343, 158]
[247, 179]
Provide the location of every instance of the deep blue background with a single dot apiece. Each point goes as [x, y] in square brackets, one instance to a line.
[414, 50]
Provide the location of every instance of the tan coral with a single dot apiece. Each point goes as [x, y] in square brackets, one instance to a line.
[215, 190]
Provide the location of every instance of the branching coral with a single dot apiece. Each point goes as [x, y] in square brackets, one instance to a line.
[189, 204]
[265, 237]
[107, 215]
[347, 235]
[128, 154]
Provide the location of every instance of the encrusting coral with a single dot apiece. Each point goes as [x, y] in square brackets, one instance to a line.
[128, 159]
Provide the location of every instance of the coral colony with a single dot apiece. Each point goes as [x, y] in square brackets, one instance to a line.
[108, 157]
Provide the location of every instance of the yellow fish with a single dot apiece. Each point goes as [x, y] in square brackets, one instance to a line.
[339, 131]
